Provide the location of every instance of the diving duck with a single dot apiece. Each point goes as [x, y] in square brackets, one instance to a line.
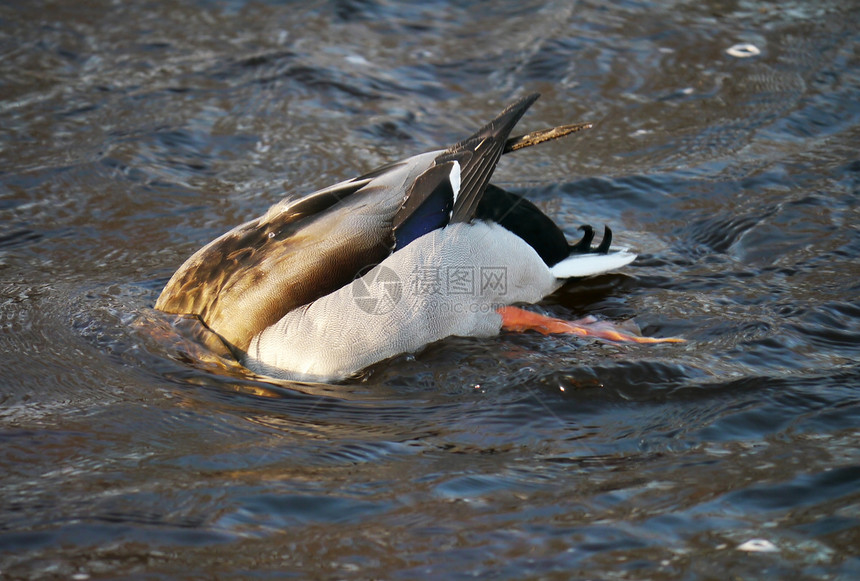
[320, 287]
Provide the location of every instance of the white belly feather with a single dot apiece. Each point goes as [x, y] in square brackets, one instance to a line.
[448, 282]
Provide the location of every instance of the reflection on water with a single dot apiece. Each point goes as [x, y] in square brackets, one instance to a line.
[131, 135]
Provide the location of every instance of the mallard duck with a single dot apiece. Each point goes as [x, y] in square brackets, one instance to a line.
[413, 252]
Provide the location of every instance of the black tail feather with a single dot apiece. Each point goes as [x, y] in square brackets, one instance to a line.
[606, 242]
[584, 245]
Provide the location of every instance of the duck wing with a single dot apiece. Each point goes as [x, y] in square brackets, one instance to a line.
[450, 190]
[248, 278]
[479, 154]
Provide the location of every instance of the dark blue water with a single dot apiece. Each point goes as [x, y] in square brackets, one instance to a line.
[133, 133]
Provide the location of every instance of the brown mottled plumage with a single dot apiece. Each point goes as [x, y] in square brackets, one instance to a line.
[245, 280]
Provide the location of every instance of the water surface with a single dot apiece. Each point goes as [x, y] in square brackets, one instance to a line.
[133, 133]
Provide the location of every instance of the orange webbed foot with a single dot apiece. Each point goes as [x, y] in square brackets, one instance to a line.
[518, 320]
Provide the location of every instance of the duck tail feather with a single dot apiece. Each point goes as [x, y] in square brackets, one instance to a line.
[577, 265]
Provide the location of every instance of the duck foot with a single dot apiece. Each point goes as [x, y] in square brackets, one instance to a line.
[518, 320]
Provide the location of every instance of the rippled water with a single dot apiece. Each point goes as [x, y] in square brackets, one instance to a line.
[133, 133]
